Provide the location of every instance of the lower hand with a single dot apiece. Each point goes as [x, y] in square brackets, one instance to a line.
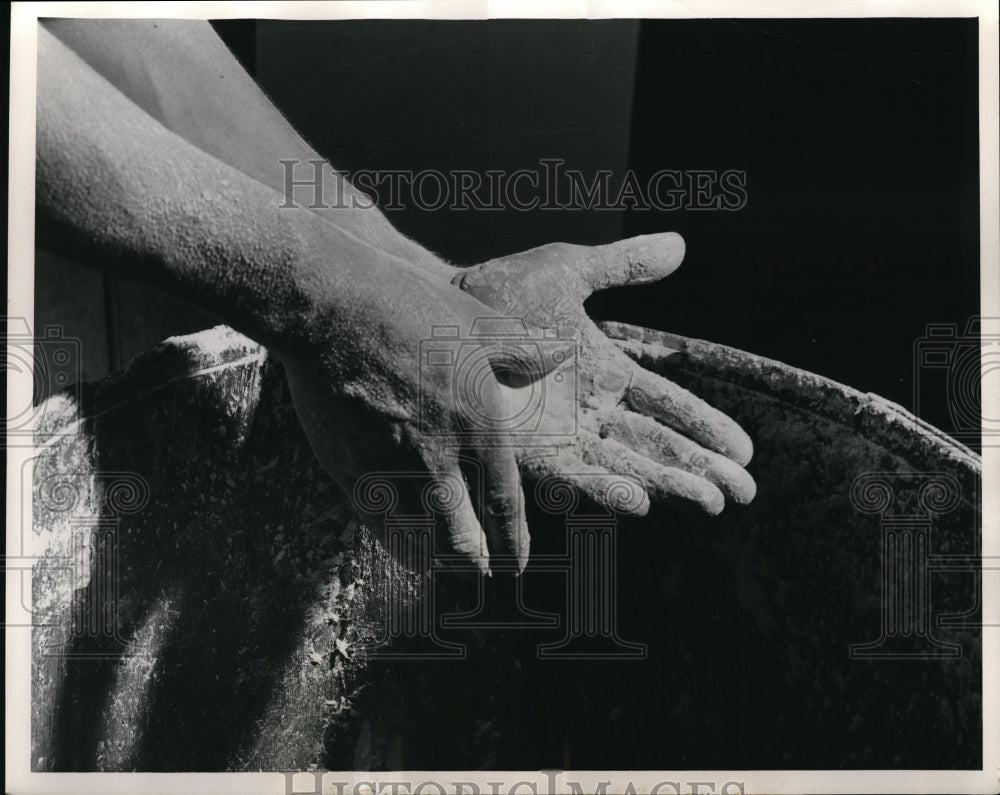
[629, 422]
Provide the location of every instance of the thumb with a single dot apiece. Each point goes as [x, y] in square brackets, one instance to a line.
[636, 260]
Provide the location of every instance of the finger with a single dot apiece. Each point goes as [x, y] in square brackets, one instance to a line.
[459, 538]
[555, 474]
[637, 342]
[661, 482]
[495, 484]
[664, 445]
[672, 405]
[637, 260]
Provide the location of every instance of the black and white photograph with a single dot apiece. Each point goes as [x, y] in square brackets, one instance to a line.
[481, 399]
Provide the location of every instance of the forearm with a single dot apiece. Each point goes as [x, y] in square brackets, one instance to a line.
[182, 75]
[121, 190]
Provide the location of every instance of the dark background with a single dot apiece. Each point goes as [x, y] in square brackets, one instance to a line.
[859, 140]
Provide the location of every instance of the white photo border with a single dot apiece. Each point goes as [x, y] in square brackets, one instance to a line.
[20, 303]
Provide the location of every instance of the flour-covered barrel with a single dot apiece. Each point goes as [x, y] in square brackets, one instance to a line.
[207, 601]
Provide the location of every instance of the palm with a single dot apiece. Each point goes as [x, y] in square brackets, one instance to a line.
[621, 420]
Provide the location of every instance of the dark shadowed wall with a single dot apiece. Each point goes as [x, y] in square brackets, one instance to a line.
[857, 139]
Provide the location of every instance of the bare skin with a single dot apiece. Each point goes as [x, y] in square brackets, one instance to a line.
[115, 185]
[306, 283]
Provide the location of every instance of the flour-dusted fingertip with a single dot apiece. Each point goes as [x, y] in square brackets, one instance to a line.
[638, 507]
[741, 448]
[653, 257]
[670, 250]
[741, 486]
[711, 499]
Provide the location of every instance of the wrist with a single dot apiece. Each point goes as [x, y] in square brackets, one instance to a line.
[312, 183]
[439, 269]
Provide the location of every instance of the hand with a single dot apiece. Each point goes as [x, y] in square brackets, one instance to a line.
[630, 422]
[400, 431]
